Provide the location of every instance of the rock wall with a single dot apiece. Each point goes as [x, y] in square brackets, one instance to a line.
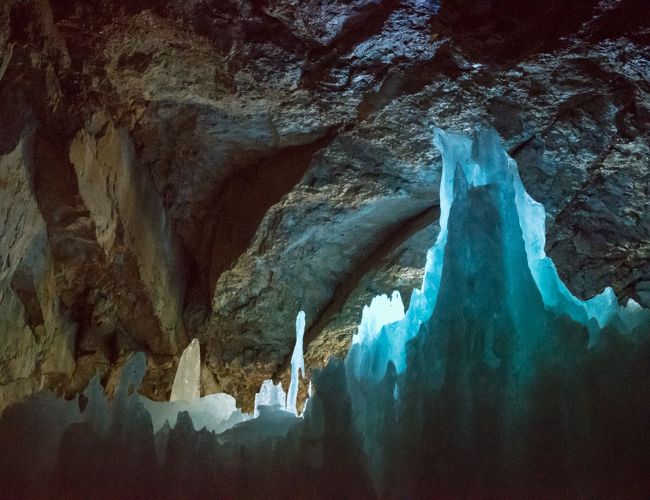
[37, 339]
[171, 170]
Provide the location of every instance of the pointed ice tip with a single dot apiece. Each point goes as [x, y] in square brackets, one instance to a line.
[300, 320]
[186, 386]
[486, 136]
[438, 136]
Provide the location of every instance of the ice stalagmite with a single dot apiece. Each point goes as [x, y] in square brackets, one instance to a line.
[297, 364]
[187, 382]
[272, 395]
[215, 412]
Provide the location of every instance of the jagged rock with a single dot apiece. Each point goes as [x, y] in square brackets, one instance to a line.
[207, 168]
[121, 199]
[643, 292]
[37, 338]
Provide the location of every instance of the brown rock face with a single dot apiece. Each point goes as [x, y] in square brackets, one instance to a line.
[171, 170]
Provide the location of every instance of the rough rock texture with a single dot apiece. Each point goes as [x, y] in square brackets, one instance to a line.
[206, 168]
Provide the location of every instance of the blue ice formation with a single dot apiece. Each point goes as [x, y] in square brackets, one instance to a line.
[473, 349]
[469, 164]
[495, 382]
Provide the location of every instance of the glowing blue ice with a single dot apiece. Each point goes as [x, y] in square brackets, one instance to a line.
[482, 160]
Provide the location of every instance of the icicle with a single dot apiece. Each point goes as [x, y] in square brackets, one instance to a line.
[297, 364]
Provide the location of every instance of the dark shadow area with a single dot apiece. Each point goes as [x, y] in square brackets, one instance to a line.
[239, 206]
[507, 31]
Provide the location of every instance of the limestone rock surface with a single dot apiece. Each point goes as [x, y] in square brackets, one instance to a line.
[207, 168]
